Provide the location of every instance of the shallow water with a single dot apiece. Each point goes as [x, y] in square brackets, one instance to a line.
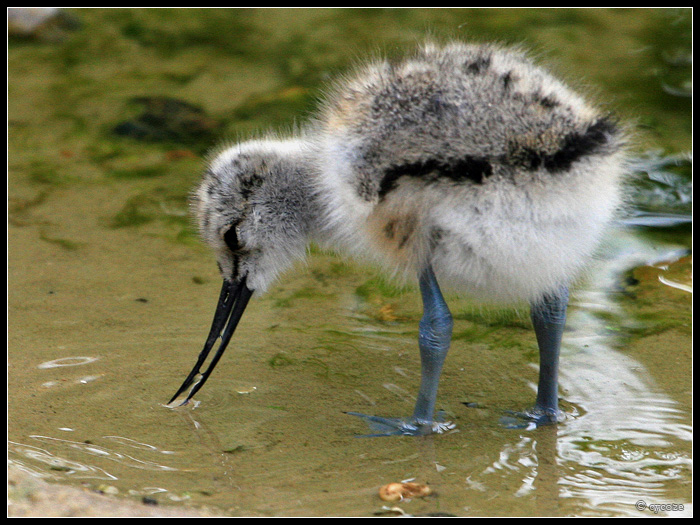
[110, 294]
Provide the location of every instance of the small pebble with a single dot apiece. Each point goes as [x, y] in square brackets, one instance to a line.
[402, 491]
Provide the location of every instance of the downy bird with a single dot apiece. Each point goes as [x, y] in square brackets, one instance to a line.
[462, 164]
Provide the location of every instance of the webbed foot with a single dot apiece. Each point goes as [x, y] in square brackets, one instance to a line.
[532, 418]
[383, 426]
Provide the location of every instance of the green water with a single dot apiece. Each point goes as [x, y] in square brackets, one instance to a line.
[110, 293]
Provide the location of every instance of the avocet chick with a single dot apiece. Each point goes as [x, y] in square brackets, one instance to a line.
[462, 164]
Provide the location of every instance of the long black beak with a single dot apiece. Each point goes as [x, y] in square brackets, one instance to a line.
[233, 300]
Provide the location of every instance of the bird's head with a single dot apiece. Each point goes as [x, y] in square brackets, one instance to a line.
[253, 207]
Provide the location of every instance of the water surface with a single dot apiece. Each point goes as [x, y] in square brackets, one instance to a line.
[111, 294]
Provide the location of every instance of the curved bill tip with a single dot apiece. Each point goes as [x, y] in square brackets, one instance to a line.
[233, 300]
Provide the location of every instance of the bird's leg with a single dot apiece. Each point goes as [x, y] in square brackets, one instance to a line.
[548, 318]
[435, 333]
[434, 336]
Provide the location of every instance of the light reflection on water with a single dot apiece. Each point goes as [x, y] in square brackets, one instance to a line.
[67, 361]
[623, 448]
[88, 450]
[625, 439]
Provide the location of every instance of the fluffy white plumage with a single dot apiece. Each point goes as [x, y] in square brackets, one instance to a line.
[522, 231]
[467, 157]
[465, 165]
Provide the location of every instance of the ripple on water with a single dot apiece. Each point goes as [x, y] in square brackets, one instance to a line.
[67, 361]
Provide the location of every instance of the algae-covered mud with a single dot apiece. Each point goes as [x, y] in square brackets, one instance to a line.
[110, 292]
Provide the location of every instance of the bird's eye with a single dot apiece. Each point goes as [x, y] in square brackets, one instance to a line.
[231, 238]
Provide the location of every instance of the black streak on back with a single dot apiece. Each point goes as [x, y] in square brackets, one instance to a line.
[475, 169]
[573, 147]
